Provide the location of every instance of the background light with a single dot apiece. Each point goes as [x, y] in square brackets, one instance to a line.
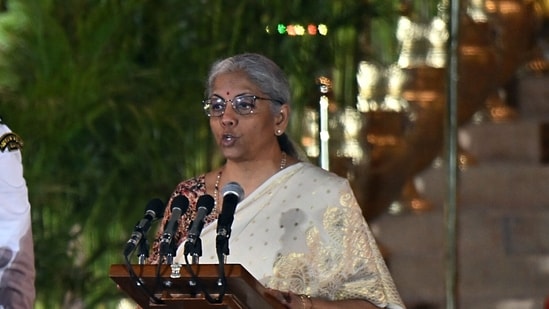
[299, 30]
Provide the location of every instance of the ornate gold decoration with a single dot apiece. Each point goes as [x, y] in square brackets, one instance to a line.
[10, 141]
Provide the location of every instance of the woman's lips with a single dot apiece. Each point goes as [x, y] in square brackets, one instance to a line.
[228, 140]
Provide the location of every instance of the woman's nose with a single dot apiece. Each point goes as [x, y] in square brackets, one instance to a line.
[229, 117]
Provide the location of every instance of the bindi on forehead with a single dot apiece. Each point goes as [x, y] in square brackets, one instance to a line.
[228, 93]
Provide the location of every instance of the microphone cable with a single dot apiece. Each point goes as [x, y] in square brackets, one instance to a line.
[140, 283]
[196, 281]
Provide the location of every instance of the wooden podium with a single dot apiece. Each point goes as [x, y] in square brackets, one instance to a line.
[242, 289]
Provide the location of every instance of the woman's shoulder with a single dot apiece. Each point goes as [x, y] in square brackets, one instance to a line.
[316, 172]
[191, 186]
[307, 173]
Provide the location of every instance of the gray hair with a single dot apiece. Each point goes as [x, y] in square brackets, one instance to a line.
[261, 71]
[268, 77]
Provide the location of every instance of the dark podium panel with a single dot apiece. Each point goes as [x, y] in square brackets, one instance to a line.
[242, 289]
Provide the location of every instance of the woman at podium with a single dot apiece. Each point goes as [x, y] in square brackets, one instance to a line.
[298, 228]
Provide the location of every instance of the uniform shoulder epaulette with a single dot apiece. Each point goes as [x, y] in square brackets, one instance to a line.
[10, 141]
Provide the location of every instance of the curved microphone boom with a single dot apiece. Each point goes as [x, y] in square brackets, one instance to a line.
[232, 194]
[153, 211]
[179, 206]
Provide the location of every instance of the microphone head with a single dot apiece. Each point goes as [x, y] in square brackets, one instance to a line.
[232, 195]
[155, 206]
[206, 201]
[204, 206]
[180, 202]
[233, 188]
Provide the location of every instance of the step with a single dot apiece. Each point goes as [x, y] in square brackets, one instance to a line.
[533, 96]
[503, 248]
[519, 141]
[501, 255]
[514, 186]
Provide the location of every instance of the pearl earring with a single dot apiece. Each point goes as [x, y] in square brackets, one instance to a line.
[278, 132]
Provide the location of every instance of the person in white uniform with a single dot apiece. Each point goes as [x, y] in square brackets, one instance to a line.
[17, 270]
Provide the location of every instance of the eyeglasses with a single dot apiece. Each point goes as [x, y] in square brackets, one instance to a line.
[242, 105]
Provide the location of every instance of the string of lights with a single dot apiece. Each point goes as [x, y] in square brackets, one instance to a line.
[298, 29]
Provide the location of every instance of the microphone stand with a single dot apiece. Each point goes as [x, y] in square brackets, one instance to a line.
[143, 252]
[193, 247]
[197, 253]
[169, 258]
[139, 282]
[167, 251]
[222, 246]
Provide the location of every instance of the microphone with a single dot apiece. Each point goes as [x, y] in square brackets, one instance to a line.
[232, 194]
[204, 206]
[179, 206]
[153, 211]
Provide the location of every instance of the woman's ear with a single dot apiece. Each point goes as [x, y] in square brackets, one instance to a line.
[281, 119]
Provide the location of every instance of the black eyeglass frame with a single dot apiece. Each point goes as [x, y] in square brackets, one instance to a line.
[207, 103]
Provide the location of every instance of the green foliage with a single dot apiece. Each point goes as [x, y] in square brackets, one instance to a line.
[106, 95]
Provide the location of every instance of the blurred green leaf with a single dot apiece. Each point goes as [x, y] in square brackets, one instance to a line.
[106, 95]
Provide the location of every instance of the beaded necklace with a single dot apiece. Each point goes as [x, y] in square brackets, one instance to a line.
[218, 178]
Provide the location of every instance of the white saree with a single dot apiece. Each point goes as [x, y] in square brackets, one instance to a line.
[302, 230]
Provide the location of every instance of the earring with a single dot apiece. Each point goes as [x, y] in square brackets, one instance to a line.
[278, 132]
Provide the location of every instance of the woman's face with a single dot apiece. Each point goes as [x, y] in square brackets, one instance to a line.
[245, 137]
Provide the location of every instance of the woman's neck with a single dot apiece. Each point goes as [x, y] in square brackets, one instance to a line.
[251, 174]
